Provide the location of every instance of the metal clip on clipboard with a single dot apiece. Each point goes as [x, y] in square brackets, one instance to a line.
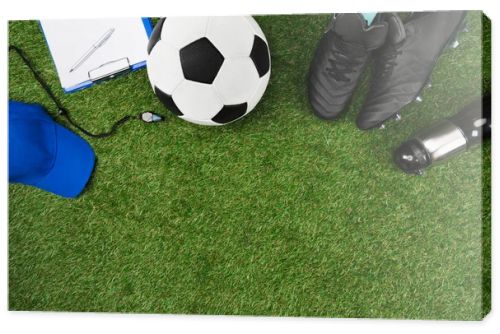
[110, 70]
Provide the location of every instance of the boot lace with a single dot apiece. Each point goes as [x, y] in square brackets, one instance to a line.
[343, 61]
[387, 60]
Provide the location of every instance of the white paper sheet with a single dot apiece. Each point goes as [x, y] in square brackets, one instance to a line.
[68, 40]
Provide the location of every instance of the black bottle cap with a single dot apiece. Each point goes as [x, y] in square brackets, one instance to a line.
[412, 157]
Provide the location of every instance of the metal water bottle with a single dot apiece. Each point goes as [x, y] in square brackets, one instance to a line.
[446, 138]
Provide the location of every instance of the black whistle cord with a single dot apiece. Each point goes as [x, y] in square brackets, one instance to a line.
[147, 117]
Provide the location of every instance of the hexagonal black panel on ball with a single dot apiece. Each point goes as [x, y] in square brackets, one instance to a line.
[260, 56]
[201, 61]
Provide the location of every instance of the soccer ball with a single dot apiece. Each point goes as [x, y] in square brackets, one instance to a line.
[208, 70]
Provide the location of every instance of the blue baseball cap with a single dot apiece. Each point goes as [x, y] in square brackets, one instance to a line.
[46, 155]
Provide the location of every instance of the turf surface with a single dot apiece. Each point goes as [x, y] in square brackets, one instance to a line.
[277, 214]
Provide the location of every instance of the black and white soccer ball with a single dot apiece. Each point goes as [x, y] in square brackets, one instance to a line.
[209, 70]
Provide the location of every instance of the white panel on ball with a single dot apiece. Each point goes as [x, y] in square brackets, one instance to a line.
[200, 122]
[181, 31]
[197, 100]
[232, 35]
[164, 67]
[256, 28]
[259, 92]
[236, 80]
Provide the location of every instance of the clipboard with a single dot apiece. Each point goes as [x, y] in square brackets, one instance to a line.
[125, 51]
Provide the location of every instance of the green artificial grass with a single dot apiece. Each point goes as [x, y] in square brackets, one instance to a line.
[279, 213]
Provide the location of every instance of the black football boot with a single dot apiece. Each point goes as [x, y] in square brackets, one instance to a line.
[404, 64]
[340, 58]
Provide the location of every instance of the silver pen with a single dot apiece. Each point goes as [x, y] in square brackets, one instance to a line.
[100, 42]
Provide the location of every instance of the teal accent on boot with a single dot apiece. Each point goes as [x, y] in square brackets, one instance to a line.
[369, 17]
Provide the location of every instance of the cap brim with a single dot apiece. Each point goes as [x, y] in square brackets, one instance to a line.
[73, 165]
